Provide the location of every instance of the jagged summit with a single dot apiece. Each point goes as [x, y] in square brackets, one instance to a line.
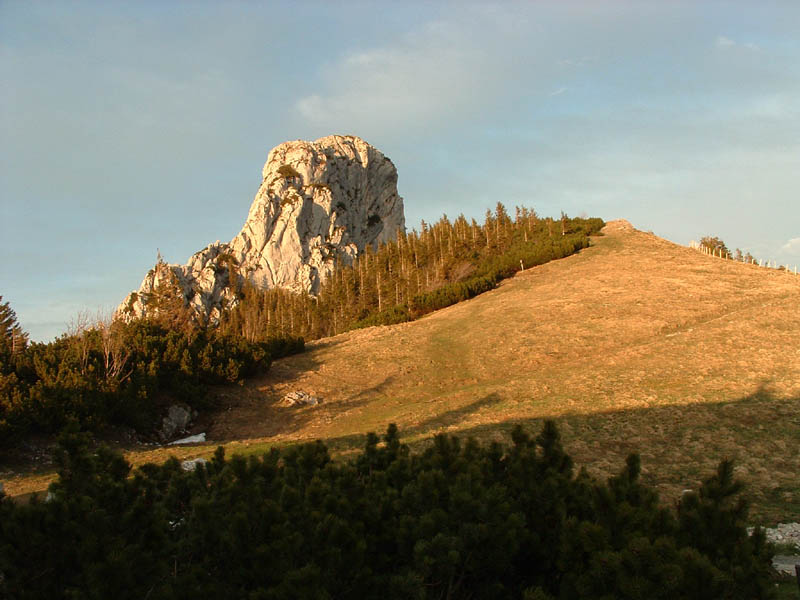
[318, 201]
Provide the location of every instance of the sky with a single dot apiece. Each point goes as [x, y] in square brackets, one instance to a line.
[132, 128]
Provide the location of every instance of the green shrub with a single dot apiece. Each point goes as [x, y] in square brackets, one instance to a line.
[76, 379]
[458, 520]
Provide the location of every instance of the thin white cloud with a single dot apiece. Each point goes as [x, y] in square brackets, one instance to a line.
[415, 79]
[575, 62]
[558, 92]
[726, 42]
[432, 74]
[792, 246]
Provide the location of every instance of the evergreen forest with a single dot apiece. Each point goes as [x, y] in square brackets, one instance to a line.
[121, 374]
[420, 272]
[458, 520]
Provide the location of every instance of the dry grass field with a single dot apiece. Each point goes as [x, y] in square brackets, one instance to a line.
[634, 344]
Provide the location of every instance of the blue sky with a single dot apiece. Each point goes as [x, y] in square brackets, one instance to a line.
[132, 127]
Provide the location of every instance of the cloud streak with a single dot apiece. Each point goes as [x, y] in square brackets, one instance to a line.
[726, 42]
[413, 81]
[434, 74]
[792, 247]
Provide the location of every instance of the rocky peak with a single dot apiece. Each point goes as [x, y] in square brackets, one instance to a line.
[318, 201]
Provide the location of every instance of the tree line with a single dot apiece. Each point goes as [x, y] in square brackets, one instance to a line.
[458, 520]
[716, 246]
[419, 272]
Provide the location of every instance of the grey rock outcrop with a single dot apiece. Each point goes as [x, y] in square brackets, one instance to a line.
[318, 202]
[192, 439]
[297, 397]
[192, 464]
[177, 419]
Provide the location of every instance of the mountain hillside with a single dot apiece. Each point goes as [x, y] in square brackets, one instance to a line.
[635, 343]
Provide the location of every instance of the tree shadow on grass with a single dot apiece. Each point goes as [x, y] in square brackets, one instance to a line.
[680, 444]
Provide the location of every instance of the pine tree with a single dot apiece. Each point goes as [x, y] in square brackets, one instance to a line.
[715, 245]
[13, 339]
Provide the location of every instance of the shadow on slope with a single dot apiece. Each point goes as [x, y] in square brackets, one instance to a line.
[679, 444]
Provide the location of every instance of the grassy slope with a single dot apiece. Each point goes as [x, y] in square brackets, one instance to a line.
[633, 344]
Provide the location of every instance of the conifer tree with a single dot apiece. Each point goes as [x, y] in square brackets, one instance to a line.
[13, 339]
[715, 245]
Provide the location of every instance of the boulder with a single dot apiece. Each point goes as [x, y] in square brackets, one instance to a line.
[191, 465]
[296, 398]
[177, 419]
[192, 439]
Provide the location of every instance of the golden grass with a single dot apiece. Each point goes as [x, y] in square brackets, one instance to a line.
[633, 344]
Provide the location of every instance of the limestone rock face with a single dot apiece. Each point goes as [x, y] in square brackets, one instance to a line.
[318, 201]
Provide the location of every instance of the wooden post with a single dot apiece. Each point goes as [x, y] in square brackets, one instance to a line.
[521, 265]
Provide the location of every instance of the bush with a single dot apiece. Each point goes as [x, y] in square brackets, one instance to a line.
[83, 379]
[450, 294]
[457, 520]
[390, 316]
